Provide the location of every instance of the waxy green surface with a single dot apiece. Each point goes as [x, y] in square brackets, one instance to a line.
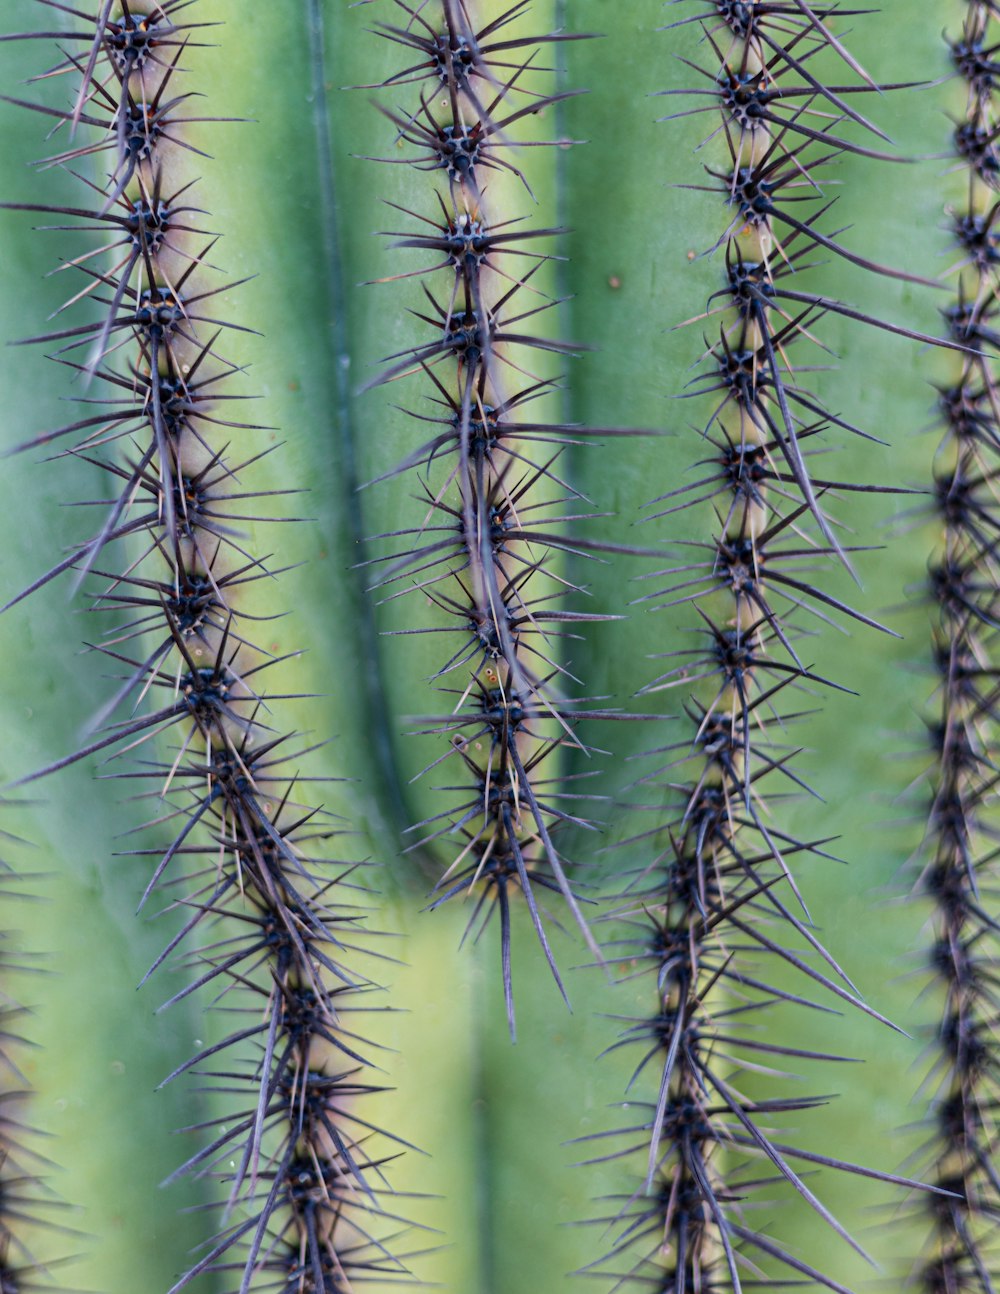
[493, 1118]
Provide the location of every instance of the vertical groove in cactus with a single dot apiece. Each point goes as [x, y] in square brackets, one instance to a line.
[391, 809]
[962, 588]
[487, 1111]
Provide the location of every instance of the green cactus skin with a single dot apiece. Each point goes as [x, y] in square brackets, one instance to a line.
[494, 1117]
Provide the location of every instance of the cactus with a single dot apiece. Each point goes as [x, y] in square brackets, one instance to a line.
[357, 645]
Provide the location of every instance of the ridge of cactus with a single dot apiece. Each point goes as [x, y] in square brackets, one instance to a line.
[713, 908]
[273, 921]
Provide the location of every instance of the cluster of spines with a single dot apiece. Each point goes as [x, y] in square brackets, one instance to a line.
[497, 512]
[958, 875]
[717, 903]
[248, 869]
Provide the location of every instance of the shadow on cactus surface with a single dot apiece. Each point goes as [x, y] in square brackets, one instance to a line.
[420, 626]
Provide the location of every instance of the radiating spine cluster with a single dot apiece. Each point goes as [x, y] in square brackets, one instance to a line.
[497, 509]
[717, 903]
[959, 872]
[248, 868]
